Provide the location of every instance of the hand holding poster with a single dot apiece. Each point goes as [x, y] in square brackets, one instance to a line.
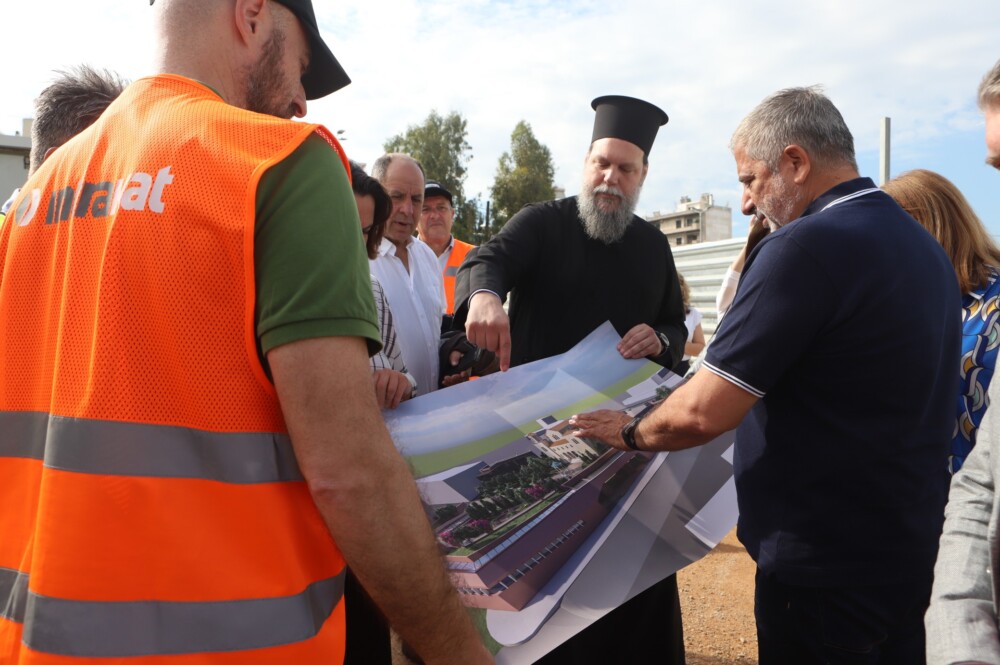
[545, 532]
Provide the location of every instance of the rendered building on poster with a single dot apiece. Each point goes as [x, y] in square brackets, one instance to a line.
[524, 545]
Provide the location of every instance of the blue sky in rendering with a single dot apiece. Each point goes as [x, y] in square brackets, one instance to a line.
[706, 63]
[469, 411]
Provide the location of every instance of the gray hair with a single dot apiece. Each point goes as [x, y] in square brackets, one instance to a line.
[989, 89]
[380, 167]
[800, 116]
[70, 104]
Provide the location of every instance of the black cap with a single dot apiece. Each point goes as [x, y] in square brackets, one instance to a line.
[627, 118]
[434, 188]
[325, 75]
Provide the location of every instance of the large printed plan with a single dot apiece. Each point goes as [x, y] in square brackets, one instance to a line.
[545, 532]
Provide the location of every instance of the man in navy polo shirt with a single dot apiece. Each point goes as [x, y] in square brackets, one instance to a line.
[836, 361]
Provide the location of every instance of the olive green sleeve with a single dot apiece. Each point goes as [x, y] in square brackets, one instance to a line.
[309, 257]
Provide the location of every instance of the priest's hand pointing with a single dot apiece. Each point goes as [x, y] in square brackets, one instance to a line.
[488, 327]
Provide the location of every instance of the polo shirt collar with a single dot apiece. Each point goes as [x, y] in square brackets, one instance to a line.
[837, 191]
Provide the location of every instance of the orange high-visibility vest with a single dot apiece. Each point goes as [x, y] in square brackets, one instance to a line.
[151, 507]
[455, 258]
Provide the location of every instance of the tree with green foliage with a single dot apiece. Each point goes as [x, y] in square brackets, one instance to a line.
[524, 175]
[445, 513]
[440, 145]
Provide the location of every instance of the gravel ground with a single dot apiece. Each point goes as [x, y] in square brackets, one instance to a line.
[717, 606]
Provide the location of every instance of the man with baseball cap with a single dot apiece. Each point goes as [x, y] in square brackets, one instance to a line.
[187, 465]
[434, 227]
[570, 265]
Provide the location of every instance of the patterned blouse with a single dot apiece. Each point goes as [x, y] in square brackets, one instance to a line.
[980, 343]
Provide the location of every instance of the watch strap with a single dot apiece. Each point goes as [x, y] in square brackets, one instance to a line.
[664, 342]
[628, 432]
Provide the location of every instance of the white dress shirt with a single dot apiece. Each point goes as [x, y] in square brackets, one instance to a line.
[417, 302]
[390, 357]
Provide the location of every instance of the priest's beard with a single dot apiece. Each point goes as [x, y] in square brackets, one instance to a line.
[607, 226]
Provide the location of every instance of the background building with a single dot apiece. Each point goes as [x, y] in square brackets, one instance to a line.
[695, 221]
[14, 162]
[558, 443]
[703, 266]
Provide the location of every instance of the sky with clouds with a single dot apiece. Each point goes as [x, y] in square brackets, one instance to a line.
[500, 61]
[525, 393]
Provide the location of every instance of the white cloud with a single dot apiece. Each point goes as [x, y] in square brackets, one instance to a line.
[497, 62]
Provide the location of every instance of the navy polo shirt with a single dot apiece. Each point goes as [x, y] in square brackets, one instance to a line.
[847, 324]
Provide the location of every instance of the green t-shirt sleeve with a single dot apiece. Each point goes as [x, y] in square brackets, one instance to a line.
[309, 257]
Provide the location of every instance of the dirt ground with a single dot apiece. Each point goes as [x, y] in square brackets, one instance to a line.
[717, 606]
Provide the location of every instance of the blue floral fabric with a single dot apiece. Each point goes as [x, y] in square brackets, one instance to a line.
[980, 344]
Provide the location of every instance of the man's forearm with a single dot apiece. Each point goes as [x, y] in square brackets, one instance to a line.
[697, 412]
[380, 527]
[367, 496]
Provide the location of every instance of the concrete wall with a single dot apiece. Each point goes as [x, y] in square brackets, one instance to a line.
[703, 266]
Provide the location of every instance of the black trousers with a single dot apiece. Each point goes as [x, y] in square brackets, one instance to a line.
[368, 641]
[648, 624]
[844, 625]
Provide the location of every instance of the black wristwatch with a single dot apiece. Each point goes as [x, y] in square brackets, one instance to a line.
[628, 432]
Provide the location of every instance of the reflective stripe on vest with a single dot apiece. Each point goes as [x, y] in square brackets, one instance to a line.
[155, 628]
[13, 587]
[455, 258]
[158, 451]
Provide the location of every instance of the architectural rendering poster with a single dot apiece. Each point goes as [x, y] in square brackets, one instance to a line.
[544, 532]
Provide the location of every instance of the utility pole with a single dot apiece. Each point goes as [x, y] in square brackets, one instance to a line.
[883, 155]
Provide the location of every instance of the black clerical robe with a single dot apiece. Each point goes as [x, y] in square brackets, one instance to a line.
[563, 284]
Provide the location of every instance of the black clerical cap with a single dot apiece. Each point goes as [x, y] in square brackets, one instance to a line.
[627, 118]
[325, 75]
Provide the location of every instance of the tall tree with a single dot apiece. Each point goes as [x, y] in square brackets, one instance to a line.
[439, 143]
[524, 175]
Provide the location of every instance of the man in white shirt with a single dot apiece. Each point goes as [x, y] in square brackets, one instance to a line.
[408, 270]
